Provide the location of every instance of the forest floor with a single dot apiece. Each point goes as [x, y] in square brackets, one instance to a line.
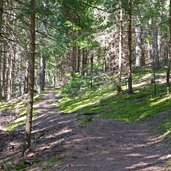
[60, 143]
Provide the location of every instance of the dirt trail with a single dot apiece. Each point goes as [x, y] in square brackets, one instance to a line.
[102, 145]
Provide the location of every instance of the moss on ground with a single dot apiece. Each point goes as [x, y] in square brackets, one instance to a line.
[124, 107]
[20, 107]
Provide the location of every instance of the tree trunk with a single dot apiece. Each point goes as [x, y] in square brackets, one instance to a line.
[4, 69]
[155, 46]
[138, 49]
[142, 49]
[130, 89]
[21, 92]
[153, 80]
[26, 78]
[42, 74]
[6, 66]
[10, 73]
[78, 59]
[92, 64]
[169, 53]
[31, 61]
[83, 61]
[159, 46]
[1, 17]
[119, 89]
[0, 72]
[73, 58]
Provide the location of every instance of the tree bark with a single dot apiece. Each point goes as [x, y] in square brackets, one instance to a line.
[78, 58]
[26, 78]
[10, 71]
[138, 49]
[119, 89]
[73, 58]
[42, 74]
[92, 68]
[83, 69]
[4, 70]
[1, 17]
[31, 61]
[153, 80]
[169, 53]
[155, 45]
[130, 89]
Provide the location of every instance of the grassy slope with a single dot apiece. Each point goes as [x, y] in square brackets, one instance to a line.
[20, 108]
[124, 107]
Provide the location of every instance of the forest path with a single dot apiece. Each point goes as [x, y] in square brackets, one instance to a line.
[102, 145]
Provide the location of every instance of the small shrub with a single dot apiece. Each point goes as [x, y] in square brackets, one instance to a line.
[74, 86]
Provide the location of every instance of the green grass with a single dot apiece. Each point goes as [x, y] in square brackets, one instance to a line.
[124, 107]
[20, 107]
[55, 159]
[20, 120]
[84, 121]
[20, 166]
[51, 161]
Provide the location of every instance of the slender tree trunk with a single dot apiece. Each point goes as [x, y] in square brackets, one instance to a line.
[83, 71]
[9, 87]
[4, 70]
[0, 72]
[155, 46]
[92, 63]
[130, 89]
[73, 58]
[105, 66]
[20, 70]
[26, 78]
[14, 76]
[138, 49]
[78, 59]
[1, 17]
[21, 92]
[153, 80]
[169, 53]
[11, 66]
[164, 56]
[142, 49]
[119, 89]
[159, 45]
[6, 76]
[42, 74]
[31, 60]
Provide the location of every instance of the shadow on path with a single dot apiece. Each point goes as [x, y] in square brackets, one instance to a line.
[102, 145]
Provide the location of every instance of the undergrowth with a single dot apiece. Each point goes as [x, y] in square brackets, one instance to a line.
[106, 103]
[19, 106]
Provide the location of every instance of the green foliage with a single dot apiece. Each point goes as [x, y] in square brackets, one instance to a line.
[85, 86]
[20, 107]
[74, 86]
[20, 166]
[84, 121]
[55, 159]
[19, 120]
[86, 41]
[124, 107]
